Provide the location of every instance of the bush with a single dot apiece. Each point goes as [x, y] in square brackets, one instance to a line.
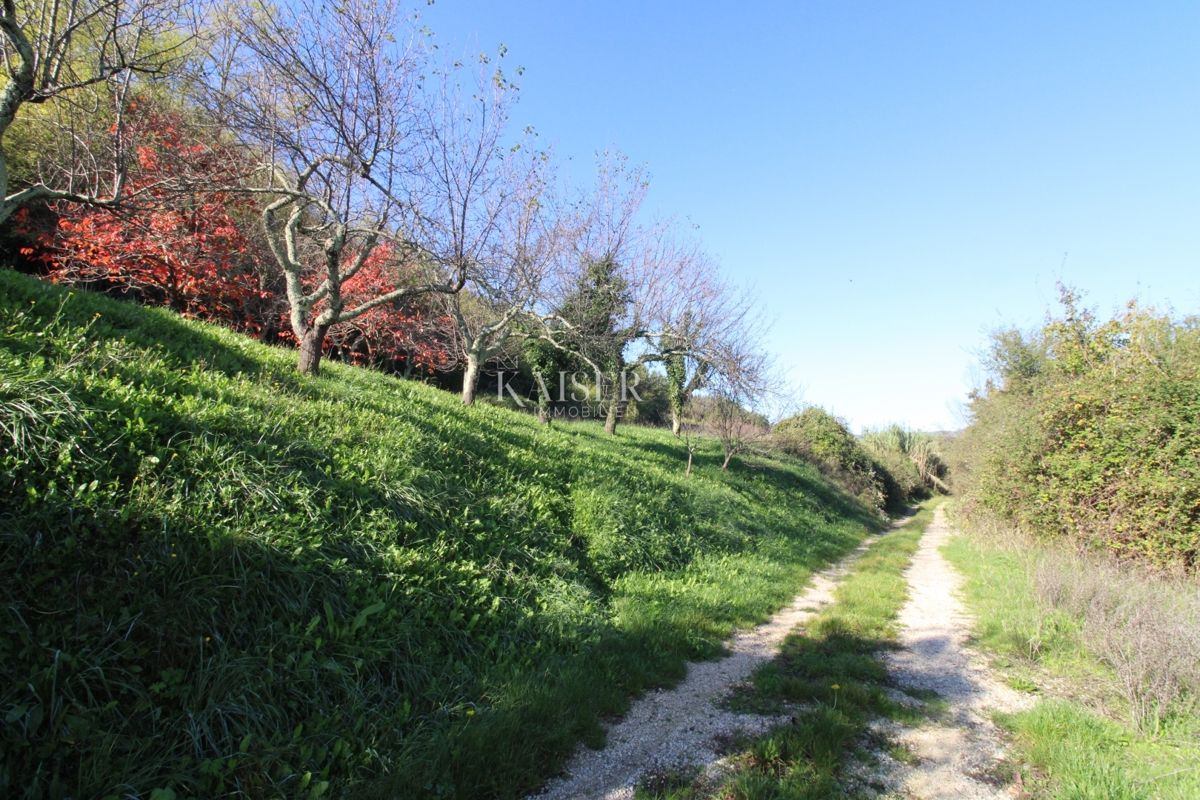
[1091, 429]
[886, 481]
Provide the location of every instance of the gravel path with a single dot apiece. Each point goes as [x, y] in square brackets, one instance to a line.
[679, 728]
[961, 755]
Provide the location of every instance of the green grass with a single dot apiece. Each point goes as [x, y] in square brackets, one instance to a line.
[1009, 620]
[829, 676]
[220, 577]
[1073, 752]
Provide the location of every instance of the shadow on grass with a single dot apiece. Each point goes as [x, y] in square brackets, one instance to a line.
[343, 576]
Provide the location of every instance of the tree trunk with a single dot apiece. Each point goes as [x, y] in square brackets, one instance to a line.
[691, 452]
[676, 424]
[310, 350]
[610, 422]
[17, 88]
[470, 380]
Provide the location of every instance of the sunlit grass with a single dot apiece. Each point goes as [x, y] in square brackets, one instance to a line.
[1075, 749]
[222, 578]
[829, 677]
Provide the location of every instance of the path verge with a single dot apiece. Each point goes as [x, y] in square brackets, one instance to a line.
[680, 730]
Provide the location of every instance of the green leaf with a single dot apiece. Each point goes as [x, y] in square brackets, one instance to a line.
[361, 618]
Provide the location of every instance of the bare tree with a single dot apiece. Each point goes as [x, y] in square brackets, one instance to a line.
[744, 380]
[697, 318]
[663, 300]
[68, 48]
[488, 210]
[353, 153]
[598, 301]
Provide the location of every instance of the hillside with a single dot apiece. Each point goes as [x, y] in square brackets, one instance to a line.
[222, 577]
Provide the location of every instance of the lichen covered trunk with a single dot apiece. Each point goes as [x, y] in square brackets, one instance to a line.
[310, 350]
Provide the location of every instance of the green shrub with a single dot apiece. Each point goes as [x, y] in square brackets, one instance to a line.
[884, 485]
[221, 577]
[1092, 429]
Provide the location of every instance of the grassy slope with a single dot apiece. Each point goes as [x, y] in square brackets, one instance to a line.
[220, 576]
[1077, 753]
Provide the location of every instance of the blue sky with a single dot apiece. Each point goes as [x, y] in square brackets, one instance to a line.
[895, 178]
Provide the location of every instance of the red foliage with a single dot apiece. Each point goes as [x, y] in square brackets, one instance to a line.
[182, 249]
[185, 249]
[408, 330]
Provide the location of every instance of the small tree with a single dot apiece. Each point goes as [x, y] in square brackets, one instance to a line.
[742, 380]
[507, 275]
[352, 154]
[697, 318]
[61, 48]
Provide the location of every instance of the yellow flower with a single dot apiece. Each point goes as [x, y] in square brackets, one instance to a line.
[470, 712]
[835, 687]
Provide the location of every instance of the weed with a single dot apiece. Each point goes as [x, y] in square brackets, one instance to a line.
[1022, 684]
[1111, 633]
[900, 752]
[667, 784]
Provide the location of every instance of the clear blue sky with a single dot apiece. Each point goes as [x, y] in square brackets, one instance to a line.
[895, 178]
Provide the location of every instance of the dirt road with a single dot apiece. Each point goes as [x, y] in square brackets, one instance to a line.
[679, 727]
[962, 754]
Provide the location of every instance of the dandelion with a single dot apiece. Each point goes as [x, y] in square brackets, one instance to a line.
[835, 687]
[470, 712]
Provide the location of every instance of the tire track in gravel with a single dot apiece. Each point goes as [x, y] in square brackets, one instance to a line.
[680, 728]
[961, 754]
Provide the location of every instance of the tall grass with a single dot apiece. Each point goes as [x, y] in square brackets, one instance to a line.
[1115, 649]
[221, 578]
[894, 444]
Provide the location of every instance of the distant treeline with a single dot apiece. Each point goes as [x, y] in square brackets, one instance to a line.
[1088, 428]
